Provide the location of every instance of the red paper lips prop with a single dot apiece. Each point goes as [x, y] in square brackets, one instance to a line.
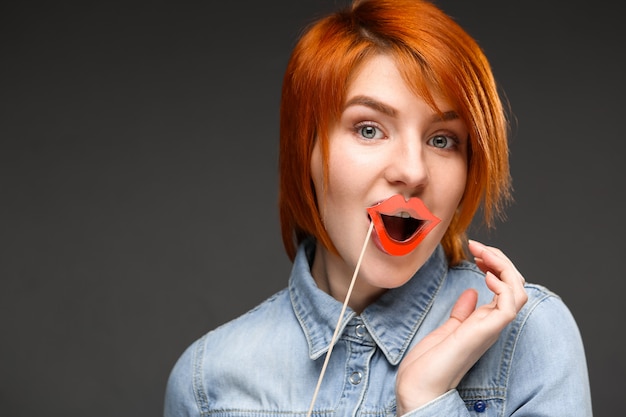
[401, 225]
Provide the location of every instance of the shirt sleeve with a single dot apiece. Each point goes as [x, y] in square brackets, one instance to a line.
[180, 395]
[548, 375]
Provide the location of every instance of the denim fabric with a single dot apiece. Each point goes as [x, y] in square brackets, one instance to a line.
[266, 362]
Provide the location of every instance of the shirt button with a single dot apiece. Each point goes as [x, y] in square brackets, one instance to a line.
[355, 378]
[479, 406]
[360, 330]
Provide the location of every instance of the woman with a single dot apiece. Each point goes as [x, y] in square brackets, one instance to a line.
[392, 136]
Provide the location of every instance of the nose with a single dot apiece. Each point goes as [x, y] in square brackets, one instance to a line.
[407, 165]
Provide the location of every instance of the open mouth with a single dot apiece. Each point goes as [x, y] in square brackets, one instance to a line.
[401, 225]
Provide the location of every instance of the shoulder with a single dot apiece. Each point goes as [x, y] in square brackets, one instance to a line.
[543, 329]
[545, 318]
[539, 357]
[544, 357]
[261, 322]
[232, 347]
[545, 326]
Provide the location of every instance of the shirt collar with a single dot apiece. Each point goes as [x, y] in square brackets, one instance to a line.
[392, 320]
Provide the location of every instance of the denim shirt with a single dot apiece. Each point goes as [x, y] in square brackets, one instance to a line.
[266, 363]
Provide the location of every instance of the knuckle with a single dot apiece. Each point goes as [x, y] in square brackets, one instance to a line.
[523, 297]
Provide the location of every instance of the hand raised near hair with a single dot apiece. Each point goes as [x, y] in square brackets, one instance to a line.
[439, 361]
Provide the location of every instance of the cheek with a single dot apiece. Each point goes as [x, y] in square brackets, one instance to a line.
[454, 189]
[333, 193]
[343, 184]
[462, 182]
[457, 192]
[317, 172]
[343, 178]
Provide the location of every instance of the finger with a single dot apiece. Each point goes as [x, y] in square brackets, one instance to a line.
[493, 261]
[462, 309]
[506, 273]
[474, 244]
[505, 297]
[490, 259]
[465, 305]
[503, 268]
[478, 249]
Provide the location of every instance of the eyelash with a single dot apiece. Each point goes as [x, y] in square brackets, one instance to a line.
[454, 141]
[359, 127]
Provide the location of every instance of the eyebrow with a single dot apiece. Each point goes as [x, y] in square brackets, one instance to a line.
[445, 116]
[390, 111]
[372, 104]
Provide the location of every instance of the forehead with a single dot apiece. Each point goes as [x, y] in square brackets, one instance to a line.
[381, 78]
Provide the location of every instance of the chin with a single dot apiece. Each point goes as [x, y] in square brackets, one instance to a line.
[391, 274]
[404, 267]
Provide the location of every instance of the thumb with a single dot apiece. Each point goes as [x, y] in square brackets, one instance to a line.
[462, 309]
[465, 305]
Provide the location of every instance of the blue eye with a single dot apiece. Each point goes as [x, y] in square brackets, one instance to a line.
[441, 142]
[368, 132]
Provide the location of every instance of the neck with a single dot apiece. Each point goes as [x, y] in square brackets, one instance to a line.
[333, 276]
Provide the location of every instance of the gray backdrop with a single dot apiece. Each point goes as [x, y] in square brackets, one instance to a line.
[138, 179]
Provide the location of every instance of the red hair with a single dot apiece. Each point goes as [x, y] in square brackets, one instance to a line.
[435, 56]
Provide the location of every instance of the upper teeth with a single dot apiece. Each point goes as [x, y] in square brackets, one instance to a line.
[403, 214]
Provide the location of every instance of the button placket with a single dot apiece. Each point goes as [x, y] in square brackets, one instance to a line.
[356, 378]
[360, 330]
[361, 348]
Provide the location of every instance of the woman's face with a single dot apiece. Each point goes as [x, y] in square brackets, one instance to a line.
[387, 141]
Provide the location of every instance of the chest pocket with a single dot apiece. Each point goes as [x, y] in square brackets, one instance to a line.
[483, 402]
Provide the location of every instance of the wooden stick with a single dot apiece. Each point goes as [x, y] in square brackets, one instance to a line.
[343, 310]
